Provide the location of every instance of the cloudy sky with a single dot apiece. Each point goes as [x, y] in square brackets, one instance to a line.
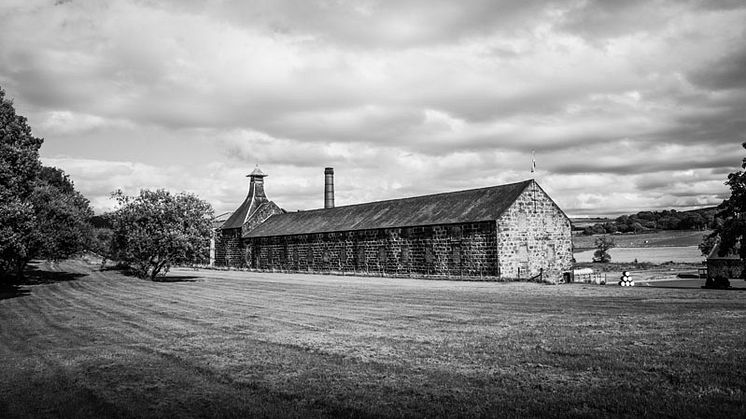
[629, 105]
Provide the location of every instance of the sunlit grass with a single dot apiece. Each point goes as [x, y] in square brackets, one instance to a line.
[248, 344]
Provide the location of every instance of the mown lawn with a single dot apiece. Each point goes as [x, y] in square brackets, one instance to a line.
[248, 344]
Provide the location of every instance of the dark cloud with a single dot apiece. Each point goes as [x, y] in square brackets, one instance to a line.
[719, 5]
[641, 164]
[727, 72]
[599, 20]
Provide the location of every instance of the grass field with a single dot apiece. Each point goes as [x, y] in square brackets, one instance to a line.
[231, 344]
[665, 238]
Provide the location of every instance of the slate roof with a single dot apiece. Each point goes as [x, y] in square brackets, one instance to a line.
[254, 200]
[239, 216]
[445, 208]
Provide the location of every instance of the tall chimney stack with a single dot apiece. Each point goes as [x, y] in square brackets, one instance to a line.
[329, 187]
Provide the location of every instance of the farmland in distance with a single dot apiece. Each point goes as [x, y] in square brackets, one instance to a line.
[217, 343]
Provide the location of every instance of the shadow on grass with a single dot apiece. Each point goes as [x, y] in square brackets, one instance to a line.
[35, 276]
[132, 273]
[12, 287]
[177, 279]
[691, 287]
[12, 291]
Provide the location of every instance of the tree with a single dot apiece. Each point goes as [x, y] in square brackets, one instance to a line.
[637, 227]
[668, 223]
[19, 168]
[603, 244]
[62, 227]
[733, 211]
[610, 228]
[41, 213]
[156, 229]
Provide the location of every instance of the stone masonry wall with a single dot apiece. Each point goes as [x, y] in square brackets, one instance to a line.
[442, 250]
[229, 250]
[534, 235]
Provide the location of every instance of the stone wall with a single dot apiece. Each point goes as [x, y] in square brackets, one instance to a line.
[229, 250]
[457, 250]
[534, 236]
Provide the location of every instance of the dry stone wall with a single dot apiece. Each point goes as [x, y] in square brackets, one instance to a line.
[457, 250]
[534, 237]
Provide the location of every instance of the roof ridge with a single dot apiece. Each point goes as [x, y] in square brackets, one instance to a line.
[470, 205]
[527, 181]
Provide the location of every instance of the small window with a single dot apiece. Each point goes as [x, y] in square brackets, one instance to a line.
[429, 254]
[456, 253]
[456, 232]
[405, 254]
[382, 254]
[361, 257]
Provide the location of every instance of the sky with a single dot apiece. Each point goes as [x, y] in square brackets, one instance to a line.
[628, 105]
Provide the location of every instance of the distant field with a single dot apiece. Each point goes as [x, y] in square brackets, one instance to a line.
[248, 344]
[667, 238]
[583, 222]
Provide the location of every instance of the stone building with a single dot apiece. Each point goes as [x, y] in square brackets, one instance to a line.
[512, 231]
[229, 248]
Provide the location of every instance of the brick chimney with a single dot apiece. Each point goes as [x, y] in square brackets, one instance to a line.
[329, 187]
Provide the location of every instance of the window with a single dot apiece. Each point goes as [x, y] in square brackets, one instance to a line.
[361, 257]
[456, 253]
[405, 255]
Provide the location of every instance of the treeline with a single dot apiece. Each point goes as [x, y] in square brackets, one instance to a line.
[701, 219]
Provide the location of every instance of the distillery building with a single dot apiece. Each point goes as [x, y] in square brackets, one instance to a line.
[512, 231]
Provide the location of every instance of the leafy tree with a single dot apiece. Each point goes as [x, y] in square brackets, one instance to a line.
[668, 223]
[19, 167]
[610, 228]
[733, 212]
[101, 242]
[637, 227]
[41, 213]
[62, 227]
[603, 244]
[156, 229]
[646, 216]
